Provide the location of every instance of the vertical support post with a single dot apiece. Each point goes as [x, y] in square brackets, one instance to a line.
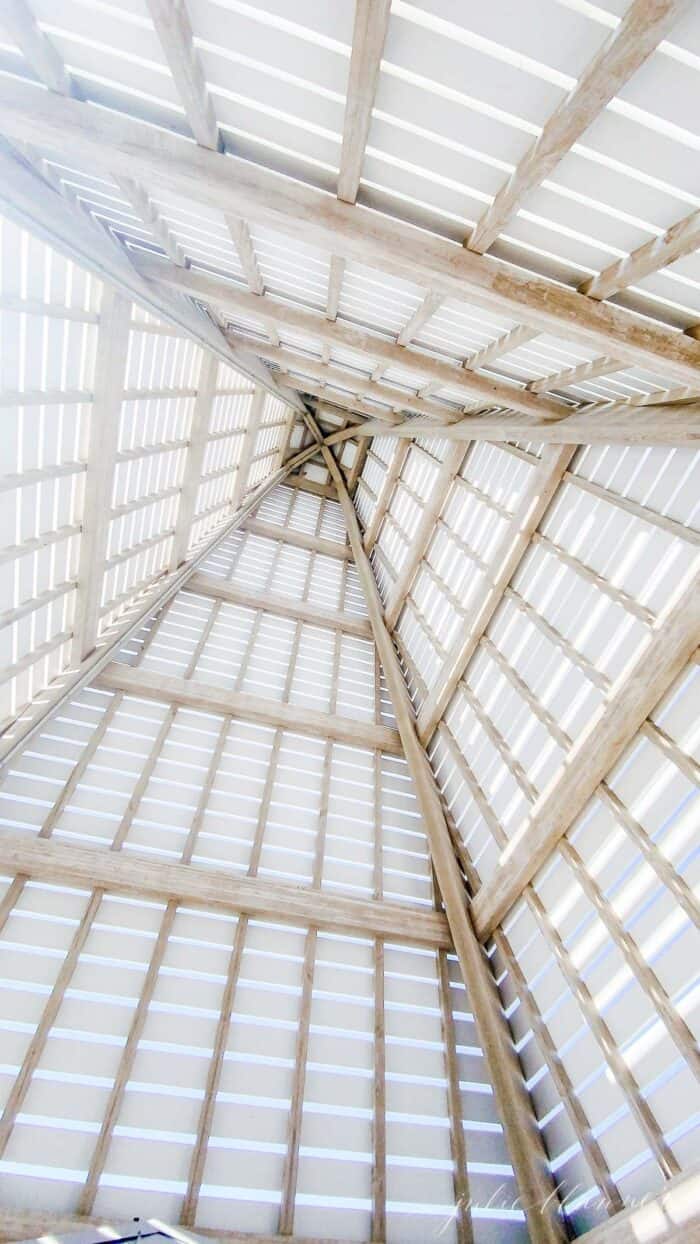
[524, 1141]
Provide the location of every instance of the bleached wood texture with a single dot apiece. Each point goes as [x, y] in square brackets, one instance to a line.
[523, 1139]
[642, 28]
[222, 891]
[230, 184]
[282, 605]
[632, 697]
[369, 33]
[213, 699]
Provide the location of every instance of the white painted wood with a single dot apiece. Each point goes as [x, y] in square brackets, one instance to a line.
[369, 33]
[110, 367]
[213, 699]
[284, 606]
[174, 30]
[681, 239]
[522, 1136]
[632, 697]
[112, 141]
[538, 493]
[201, 418]
[642, 28]
[221, 891]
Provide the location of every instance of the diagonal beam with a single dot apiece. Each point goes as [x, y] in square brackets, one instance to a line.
[110, 368]
[681, 239]
[574, 375]
[520, 1130]
[249, 439]
[37, 49]
[146, 878]
[194, 463]
[543, 483]
[174, 30]
[240, 236]
[369, 34]
[391, 475]
[222, 294]
[424, 312]
[23, 728]
[645, 679]
[423, 534]
[640, 31]
[518, 336]
[227, 183]
[32, 203]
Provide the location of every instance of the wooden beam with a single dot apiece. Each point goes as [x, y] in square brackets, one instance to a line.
[657, 425]
[110, 140]
[315, 544]
[194, 463]
[670, 1217]
[537, 494]
[144, 877]
[520, 1129]
[391, 476]
[369, 34]
[22, 728]
[643, 682]
[223, 294]
[336, 271]
[286, 607]
[35, 206]
[174, 31]
[512, 340]
[26, 1225]
[424, 312]
[37, 49]
[251, 433]
[110, 369]
[240, 236]
[213, 699]
[681, 239]
[638, 34]
[423, 534]
[573, 375]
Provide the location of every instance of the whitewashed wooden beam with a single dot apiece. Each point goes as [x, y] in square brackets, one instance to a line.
[392, 474]
[244, 463]
[520, 1130]
[213, 699]
[538, 492]
[424, 312]
[37, 49]
[143, 877]
[110, 368]
[32, 203]
[369, 34]
[22, 728]
[240, 236]
[681, 239]
[302, 540]
[286, 607]
[173, 27]
[423, 533]
[518, 336]
[640, 31]
[658, 425]
[222, 294]
[194, 463]
[672, 1216]
[642, 683]
[148, 214]
[229, 184]
[336, 272]
[574, 375]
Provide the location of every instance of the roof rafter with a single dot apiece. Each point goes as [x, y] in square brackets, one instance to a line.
[194, 463]
[640, 31]
[340, 332]
[645, 679]
[110, 368]
[231, 184]
[369, 34]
